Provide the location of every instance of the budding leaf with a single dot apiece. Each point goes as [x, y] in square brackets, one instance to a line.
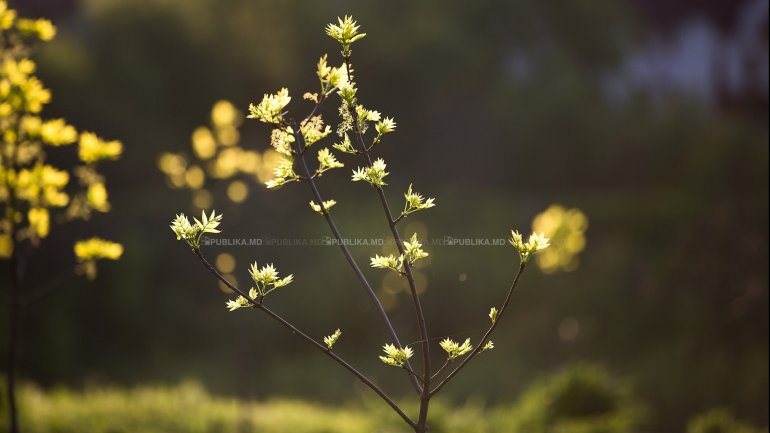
[395, 356]
[455, 350]
[330, 340]
[536, 242]
[326, 206]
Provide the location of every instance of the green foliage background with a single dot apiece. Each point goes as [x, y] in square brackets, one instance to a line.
[501, 111]
[581, 398]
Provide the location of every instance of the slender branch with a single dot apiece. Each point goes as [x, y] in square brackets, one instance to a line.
[300, 143]
[425, 395]
[440, 370]
[259, 305]
[317, 106]
[486, 336]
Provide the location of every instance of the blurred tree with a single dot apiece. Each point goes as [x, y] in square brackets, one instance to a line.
[30, 188]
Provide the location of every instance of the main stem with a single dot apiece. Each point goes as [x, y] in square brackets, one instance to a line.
[14, 304]
[300, 149]
[13, 339]
[259, 305]
[425, 395]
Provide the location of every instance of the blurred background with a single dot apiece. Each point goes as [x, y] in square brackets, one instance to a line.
[648, 116]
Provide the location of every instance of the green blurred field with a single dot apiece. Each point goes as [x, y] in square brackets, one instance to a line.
[579, 399]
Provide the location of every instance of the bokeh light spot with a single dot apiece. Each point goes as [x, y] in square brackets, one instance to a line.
[237, 191]
[232, 280]
[203, 143]
[202, 199]
[225, 263]
[194, 177]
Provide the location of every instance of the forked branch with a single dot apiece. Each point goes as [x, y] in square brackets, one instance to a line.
[260, 306]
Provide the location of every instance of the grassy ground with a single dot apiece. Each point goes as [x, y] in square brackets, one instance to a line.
[580, 399]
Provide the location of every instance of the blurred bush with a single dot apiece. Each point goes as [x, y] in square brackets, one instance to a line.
[581, 398]
[720, 421]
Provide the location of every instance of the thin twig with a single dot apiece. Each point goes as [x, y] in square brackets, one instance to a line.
[486, 336]
[259, 305]
[440, 370]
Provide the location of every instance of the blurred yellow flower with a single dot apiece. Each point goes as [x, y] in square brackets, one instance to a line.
[41, 29]
[57, 133]
[96, 248]
[566, 228]
[6, 246]
[90, 250]
[93, 149]
[97, 197]
[39, 221]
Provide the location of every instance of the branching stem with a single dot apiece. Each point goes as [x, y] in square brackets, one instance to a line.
[425, 395]
[440, 370]
[260, 306]
[300, 143]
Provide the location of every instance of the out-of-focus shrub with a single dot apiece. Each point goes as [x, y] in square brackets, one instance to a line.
[719, 421]
[579, 399]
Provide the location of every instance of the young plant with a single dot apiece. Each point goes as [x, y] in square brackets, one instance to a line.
[360, 131]
[32, 191]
